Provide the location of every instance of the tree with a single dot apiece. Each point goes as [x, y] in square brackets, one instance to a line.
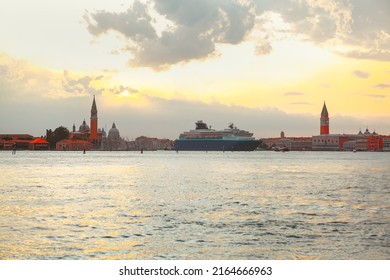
[263, 146]
[50, 139]
[60, 133]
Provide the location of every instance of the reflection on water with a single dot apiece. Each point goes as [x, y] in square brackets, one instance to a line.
[163, 205]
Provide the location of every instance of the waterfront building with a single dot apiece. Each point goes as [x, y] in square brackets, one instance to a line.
[324, 120]
[366, 141]
[269, 142]
[358, 144]
[74, 145]
[288, 143]
[38, 144]
[22, 142]
[386, 143]
[293, 143]
[78, 139]
[150, 143]
[113, 141]
[327, 142]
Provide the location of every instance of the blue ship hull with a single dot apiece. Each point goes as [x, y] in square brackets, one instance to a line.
[215, 145]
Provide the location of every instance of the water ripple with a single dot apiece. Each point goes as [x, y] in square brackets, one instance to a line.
[165, 205]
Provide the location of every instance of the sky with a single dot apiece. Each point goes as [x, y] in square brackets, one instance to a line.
[158, 66]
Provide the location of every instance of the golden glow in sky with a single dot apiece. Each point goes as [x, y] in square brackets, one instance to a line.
[187, 60]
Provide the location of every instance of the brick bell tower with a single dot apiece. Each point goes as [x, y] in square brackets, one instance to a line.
[93, 136]
[324, 127]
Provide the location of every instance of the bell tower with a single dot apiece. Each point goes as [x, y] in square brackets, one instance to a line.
[94, 123]
[324, 127]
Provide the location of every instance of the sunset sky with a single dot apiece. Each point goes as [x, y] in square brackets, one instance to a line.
[157, 66]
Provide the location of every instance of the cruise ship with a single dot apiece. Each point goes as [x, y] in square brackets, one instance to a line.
[203, 138]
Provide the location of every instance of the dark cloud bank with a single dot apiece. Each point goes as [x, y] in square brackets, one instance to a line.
[167, 118]
[35, 112]
[194, 28]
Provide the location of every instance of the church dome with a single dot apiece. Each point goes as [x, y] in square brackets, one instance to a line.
[113, 132]
[84, 127]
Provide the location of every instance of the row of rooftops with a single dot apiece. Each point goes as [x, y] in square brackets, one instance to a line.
[84, 128]
[367, 133]
[23, 141]
[360, 133]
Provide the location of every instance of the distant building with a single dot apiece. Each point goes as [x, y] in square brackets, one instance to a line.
[151, 144]
[324, 120]
[88, 133]
[94, 136]
[366, 141]
[39, 144]
[113, 141]
[293, 143]
[269, 142]
[74, 145]
[22, 142]
[289, 143]
[326, 142]
[386, 143]
[90, 137]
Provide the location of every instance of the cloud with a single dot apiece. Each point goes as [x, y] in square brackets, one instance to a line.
[382, 86]
[168, 118]
[134, 23]
[20, 80]
[370, 53]
[161, 33]
[361, 74]
[263, 48]
[376, 95]
[370, 30]
[193, 30]
[300, 103]
[123, 90]
[41, 94]
[12, 69]
[294, 93]
[318, 20]
[81, 85]
[361, 25]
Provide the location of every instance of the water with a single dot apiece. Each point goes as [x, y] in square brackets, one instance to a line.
[194, 205]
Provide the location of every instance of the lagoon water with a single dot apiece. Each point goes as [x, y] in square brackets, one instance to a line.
[194, 205]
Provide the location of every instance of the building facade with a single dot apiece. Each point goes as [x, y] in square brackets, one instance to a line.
[22, 142]
[386, 143]
[113, 141]
[292, 143]
[150, 144]
[74, 145]
[366, 141]
[85, 134]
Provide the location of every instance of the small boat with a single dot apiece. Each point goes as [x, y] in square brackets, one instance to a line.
[281, 149]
